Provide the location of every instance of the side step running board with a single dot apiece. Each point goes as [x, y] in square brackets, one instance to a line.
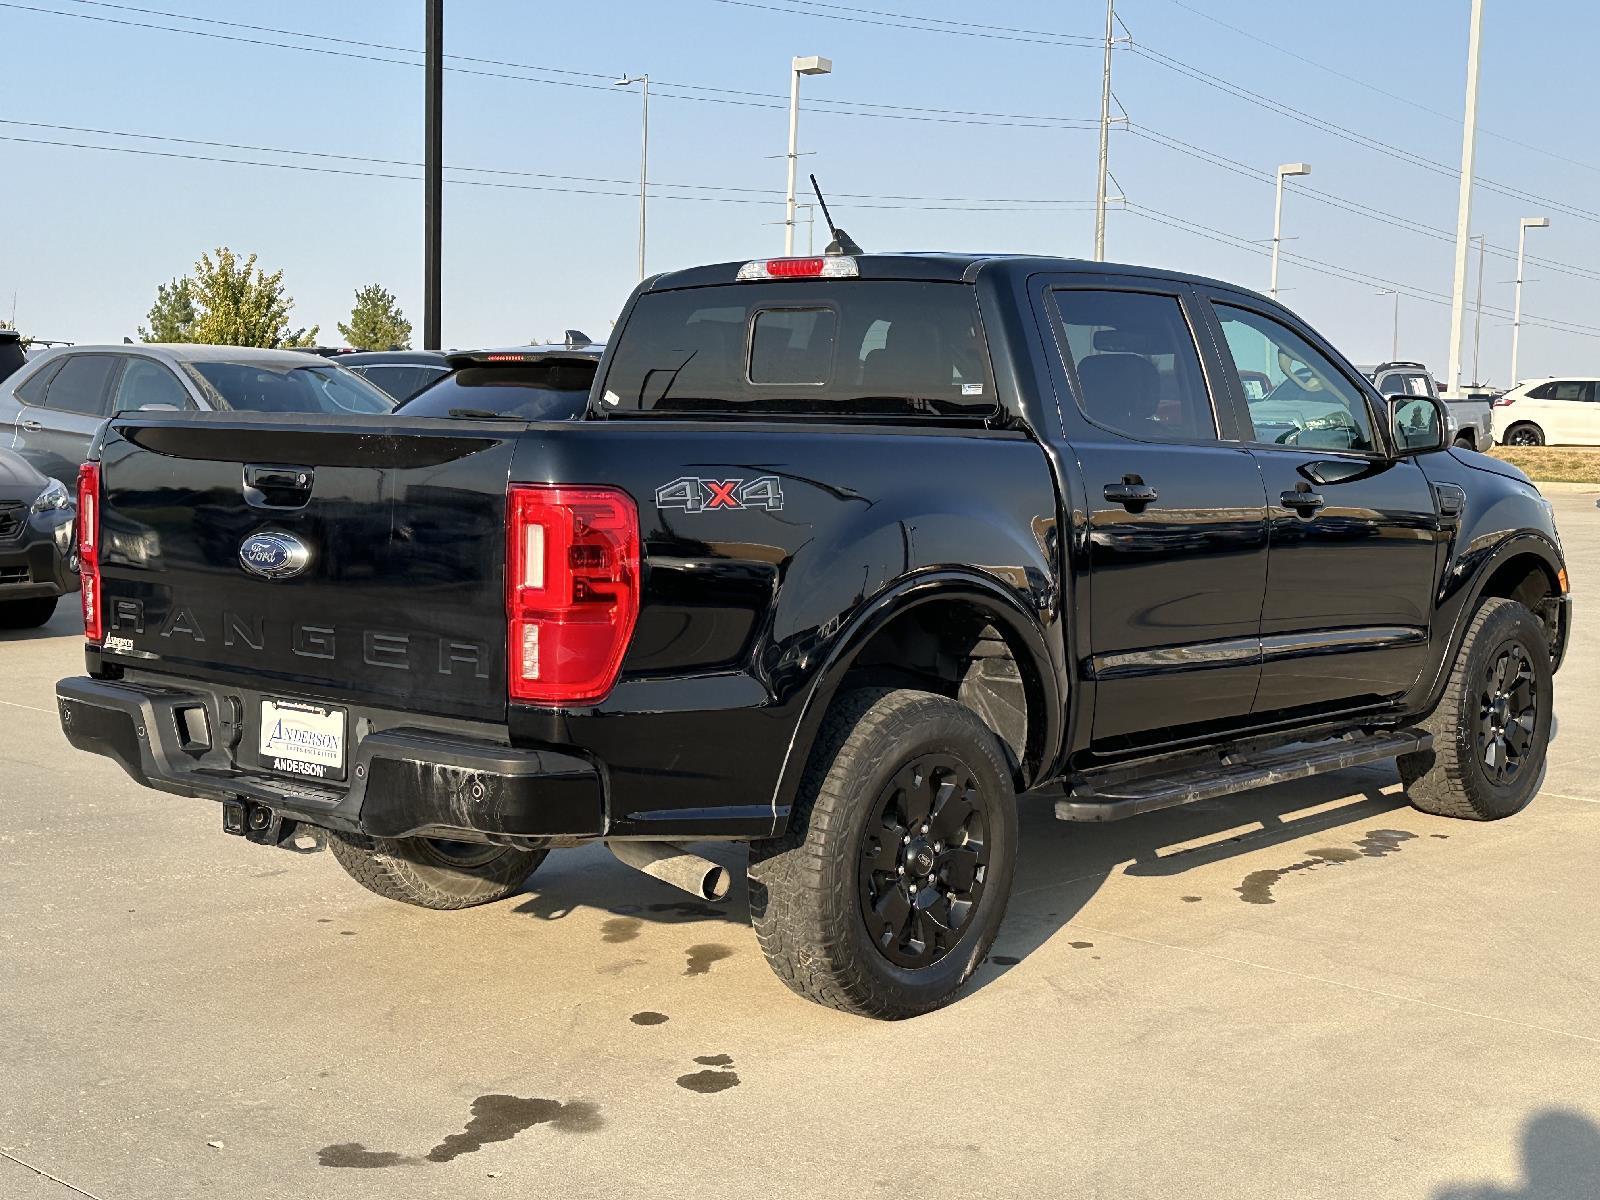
[1129, 796]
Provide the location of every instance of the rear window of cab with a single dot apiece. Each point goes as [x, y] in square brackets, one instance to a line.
[863, 348]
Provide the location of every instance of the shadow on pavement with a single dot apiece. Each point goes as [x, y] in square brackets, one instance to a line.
[1560, 1161]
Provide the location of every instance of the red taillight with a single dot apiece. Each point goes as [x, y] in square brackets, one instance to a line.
[1504, 401]
[89, 550]
[572, 591]
[793, 268]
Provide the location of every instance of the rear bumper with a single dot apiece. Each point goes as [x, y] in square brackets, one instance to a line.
[404, 781]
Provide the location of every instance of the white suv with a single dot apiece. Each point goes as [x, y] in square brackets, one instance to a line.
[1555, 412]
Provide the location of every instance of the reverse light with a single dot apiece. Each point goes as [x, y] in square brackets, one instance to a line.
[572, 591]
[833, 267]
[89, 550]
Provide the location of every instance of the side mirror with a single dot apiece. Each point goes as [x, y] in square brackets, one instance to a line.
[1419, 424]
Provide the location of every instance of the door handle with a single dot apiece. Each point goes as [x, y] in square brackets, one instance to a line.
[31, 427]
[1302, 501]
[1132, 493]
[277, 487]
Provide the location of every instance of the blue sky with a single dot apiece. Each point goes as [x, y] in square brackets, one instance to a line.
[88, 234]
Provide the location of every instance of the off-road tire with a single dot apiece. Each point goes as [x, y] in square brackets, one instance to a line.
[26, 614]
[1523, 433]
[1451, 779]
[412, 871]
[805, 887]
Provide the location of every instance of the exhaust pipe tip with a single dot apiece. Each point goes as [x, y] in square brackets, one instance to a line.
[671, 863]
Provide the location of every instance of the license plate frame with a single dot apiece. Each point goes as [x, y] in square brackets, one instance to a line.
[302, 740]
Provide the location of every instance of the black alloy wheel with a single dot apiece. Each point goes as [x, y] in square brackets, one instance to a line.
[924, 859]
[1508, 711]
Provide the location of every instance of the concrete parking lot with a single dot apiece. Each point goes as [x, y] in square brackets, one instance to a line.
[1309, 991]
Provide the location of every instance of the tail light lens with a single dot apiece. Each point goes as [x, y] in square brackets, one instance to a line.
[572, 591]
[89, 550]
[1503, 401]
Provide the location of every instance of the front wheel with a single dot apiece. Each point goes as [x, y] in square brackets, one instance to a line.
[433, 872]
[890, 884]
[26, 614]
[1492, 725]
[1524, 433]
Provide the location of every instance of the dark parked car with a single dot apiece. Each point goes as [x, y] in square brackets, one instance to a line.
[12, 355]
[401, 373]
[36, 544]
[527, 383]
[51, 409]
[846, 555]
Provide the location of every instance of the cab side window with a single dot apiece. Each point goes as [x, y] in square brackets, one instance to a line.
[145, 384]
[82, 385]
[1296, 396]
[1137, 370]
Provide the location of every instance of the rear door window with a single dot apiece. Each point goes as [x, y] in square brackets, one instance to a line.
[146, 383]
[32, 389]
[861, 348]
[274, 387]
[83, 385]
[1135, 364]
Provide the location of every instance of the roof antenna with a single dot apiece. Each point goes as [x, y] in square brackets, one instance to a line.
[842, 242]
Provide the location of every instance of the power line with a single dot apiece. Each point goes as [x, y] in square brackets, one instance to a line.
[571, 78]
[892, 20]
[924, 204]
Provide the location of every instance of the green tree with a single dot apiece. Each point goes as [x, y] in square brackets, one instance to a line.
[238, 304]
[376, 322]
[172, 315]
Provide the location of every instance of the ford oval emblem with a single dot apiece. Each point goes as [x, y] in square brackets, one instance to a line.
[273, 554]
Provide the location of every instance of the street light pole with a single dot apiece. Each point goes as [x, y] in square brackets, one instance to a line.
[1469, 148]
[1477, 320]
[1105, 138]
[1284, 171]
[1394, 345]
[644, 152]
[809, 65]
[433, 175]
[1516, 320]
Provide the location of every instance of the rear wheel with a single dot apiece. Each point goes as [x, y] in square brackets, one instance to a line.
[433, 872]
[890, 884]
[1524, 433]
[26, 614]
[1492, 726]
[1464, 442]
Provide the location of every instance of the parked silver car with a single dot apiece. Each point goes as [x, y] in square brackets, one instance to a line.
[51, 408]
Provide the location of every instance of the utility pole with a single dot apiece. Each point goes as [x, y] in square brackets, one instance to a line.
[1284, 171]
[1516, 320]
[433, 176]
[1469, 147]
[1105, 138]
[644, 153]
[1477, 320]
[1394, 345]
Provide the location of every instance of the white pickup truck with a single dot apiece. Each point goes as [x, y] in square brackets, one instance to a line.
[1470, 411]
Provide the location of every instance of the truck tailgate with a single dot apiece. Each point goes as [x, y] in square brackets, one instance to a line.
[399, 602]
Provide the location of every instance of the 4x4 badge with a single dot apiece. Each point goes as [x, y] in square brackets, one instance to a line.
[703, 495]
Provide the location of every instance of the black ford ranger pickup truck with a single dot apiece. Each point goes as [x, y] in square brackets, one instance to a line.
[845, 554]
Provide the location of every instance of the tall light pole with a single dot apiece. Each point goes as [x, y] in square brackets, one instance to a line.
[1477, 320]
[1516, 320]
[433, 175]
[1284, 171]
[810, 65]
[1105, 138]
[1469, 148]
[1394, 345]
[644, 152]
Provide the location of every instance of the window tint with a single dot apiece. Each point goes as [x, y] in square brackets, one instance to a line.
[401, 381]
[270, 387]
[534, 392]
[81, 383]
[146, 382]
[854, 348]
[11, 355]
[1137, 367]
[792, 345]
[1308, 401]
[1567, 389]
[1403, 385]
[32, 389]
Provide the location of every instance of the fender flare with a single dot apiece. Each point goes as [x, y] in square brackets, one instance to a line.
[1514, 545]
[1021, 629]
